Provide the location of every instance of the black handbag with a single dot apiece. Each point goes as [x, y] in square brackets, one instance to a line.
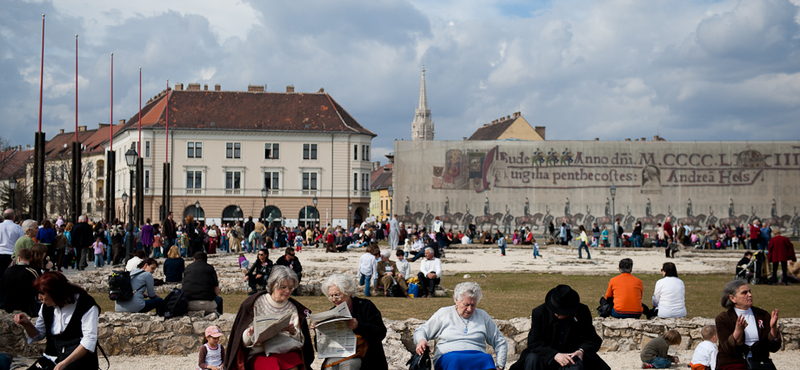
[42, 363]
[760, 364]
[604, 310]
[578, 365]
[420, 362]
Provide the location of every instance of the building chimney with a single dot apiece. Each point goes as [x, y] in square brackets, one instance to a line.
[122, 122]
[217, 87]
[540, 130]
[628, 139]
[255, 88]
[178, 87]
[101, 125]
[193, 87]
[655, 138]
[205, 87]
[289, 88]
[644, 139]
[464, 138]
[508, 117]
[597, 139]
[81, 128]
[517, 114]
[376, 165]
[61, 131]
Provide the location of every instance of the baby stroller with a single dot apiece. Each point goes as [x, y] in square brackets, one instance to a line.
[757, 270]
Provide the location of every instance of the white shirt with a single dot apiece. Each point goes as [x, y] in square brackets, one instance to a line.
[464, 239]
[669, 297]
[438, 225]
[751, 331]
[433, 265]
[458, 334]
[705, 354]
[417, 245]
[9, 233]
[404, 268]
[368, 265]
[61, 318]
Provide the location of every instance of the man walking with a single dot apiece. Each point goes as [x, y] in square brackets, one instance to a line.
[82, 239]
[394, 233]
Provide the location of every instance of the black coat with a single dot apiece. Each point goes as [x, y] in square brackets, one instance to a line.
[199, 281]
[235, 357]
[580, 333]
[372, 329]
[82, 235]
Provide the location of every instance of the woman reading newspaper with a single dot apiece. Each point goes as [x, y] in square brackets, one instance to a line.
[270, 331]
[365, 322]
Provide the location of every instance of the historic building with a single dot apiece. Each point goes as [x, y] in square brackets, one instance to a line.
[511, 127]
[507, 184]
[380, 201]
[422, 126]
[310, 157]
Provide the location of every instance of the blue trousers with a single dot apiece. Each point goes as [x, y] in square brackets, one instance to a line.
[584, 246]
[614, 313]
[152, 303]
[365, 280]
[660, 363]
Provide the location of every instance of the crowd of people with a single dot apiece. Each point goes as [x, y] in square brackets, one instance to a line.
[561, 334]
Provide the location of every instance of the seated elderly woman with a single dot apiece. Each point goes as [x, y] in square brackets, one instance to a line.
[67, 319]
[366, 323]
[289, 349]
[745, 332]
[463, 331]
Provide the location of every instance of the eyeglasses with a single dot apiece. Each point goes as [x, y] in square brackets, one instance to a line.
[291, 254]
[335, 297]
[262, 254]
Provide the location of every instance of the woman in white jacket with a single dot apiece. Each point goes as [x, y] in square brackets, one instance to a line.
[669, 295]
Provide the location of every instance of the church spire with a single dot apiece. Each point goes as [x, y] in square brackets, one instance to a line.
[422, 126]
[423, 97]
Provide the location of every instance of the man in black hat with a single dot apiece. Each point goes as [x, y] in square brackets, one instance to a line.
[562, 335]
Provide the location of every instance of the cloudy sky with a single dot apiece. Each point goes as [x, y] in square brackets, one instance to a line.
[613, 69]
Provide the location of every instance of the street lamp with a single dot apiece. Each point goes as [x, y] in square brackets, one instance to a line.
[130, 160]
[124, 202]
[391, 201]
[12, 185]
[315, 200]
[613, 191]
[196, 210]
[239, 211]
[264, 194]
[349, 213]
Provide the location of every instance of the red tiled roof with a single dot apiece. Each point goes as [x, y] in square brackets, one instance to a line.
[13, 163]
[381, 178]
[239, 110]
[492, 131]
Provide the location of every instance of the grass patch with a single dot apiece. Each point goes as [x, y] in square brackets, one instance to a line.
[506, 296]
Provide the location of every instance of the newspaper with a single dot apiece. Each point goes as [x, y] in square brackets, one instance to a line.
[268, 326]
[334, 338]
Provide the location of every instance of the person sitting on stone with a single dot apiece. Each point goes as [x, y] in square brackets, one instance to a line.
[627, 291]
[17, 285]
[201, 285]
[463, 330]
[259, 271]
[561, 334]
[403, 267]
[389, 273]
[29, 228]
[174, 265]
[142, 286]
[290, 260]
[430, 274]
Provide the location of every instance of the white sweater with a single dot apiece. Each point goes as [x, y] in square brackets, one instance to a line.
[434, 265]
[368, 266]
[705, 354]
[669, 297]
[449, 327]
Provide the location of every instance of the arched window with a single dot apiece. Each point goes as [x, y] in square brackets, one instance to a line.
[197, 213]
[232, 214]
[308, 216]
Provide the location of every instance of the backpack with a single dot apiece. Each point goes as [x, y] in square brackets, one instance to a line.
[395, 290]
[119, 286]
[176, 303]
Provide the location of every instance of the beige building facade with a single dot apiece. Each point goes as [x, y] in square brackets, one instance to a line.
[296, 146]
[509, 184]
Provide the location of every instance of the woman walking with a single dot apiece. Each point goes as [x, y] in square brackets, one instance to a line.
[583, 238]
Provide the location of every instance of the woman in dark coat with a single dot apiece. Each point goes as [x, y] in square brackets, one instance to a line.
[289, 349]
[366, 323]
[191, 234]
[743, 329]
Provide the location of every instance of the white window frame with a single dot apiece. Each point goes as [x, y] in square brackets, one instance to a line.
[314, 170]
[233, 191]
[355, 152]
[194, 150]
[365, 153]
[203, 180]
[281, 177]
[146, 178]
[272, 151]
[313, 148]
[233, 149]
[147, 149]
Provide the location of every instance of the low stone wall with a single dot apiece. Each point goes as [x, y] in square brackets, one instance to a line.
[147, 334]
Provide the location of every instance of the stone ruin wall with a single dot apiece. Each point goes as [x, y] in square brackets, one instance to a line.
[147, 334]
